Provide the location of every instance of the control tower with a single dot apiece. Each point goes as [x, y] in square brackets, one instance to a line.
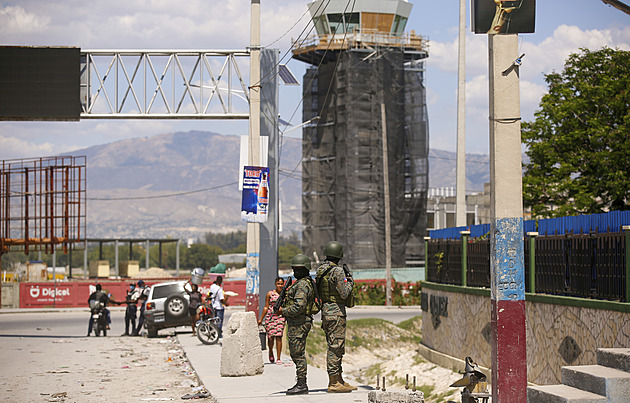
[362, 58]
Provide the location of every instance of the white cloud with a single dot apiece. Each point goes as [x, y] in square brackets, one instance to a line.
[477, 91]
[443, 55]
[550, 54]
[531, 94]
[13, 147]
[14, 19]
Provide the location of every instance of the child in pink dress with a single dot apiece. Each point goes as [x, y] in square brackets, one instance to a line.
[274, 324]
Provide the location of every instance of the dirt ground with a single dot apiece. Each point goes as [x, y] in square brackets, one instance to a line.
[96, 369]
[385, 350]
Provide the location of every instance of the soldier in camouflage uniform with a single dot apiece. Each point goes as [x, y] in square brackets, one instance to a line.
[296, 308]
[335, 286]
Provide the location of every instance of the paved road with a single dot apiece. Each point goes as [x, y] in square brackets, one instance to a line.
[52, 344]
[73, 322]
[46, 354]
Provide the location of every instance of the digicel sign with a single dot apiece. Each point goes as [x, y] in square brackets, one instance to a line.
[75, 294]
[34, 294]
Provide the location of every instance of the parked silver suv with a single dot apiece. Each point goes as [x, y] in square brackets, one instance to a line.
[167, 306]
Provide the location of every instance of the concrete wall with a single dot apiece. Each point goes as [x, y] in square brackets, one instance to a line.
[560, 330]
[10, 295]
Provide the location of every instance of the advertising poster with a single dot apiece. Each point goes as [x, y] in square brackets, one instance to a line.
[255, 201]
[503, 17]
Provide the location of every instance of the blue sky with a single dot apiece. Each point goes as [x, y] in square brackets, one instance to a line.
[562, 27]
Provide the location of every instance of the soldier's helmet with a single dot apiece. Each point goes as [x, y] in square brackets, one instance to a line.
[301, 261]
[333, 249]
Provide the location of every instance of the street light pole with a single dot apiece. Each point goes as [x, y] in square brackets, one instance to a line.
[252, 290]
[460, 181]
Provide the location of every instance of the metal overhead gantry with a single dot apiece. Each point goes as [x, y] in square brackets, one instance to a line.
[163, 84]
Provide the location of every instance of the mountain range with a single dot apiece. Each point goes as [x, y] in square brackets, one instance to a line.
[185, 184]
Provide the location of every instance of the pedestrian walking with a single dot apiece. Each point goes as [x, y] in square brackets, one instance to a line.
[274, 323]
[194, 302]
[335, 289]
[219, 301]
[142, 298]
[298, 308]
[131, 300]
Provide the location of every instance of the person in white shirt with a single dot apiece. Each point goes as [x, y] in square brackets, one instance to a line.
[219, 301]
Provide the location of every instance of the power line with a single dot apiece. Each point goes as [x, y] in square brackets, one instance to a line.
[161, 196]
[455, 159]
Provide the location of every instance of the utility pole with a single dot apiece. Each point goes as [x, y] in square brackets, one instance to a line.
[252, 289]
[507, 291]
[460, 181]
[388, 232]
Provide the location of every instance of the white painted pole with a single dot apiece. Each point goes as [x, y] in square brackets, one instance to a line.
[252, 291]
[460, 182]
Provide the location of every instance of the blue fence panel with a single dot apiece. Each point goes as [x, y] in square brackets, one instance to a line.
[584, 224]
[447, 233]
[529, 226]
[477, 231]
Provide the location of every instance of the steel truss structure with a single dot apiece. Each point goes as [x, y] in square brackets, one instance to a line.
[43, 203]
[164, 84]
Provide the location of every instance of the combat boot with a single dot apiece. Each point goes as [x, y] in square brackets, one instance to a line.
[346, 384]
[335, 386]
[300, 388]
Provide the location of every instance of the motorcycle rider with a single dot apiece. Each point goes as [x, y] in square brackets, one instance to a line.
[99, 295]
[132, 308]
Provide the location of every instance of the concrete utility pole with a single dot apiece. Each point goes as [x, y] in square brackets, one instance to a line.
[460, 181]
[388, 230]
[509, 348]
[252, 289]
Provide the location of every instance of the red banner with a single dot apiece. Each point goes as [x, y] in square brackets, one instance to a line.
[75, 294]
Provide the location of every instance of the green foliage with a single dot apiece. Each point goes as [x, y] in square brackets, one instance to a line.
[201, 255]
[229, 241]
[287, 252]
[373, 293]
[411, 324]
[316, 340]
[579, 143]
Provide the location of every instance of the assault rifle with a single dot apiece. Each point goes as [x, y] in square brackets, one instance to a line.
[346, 270]
[283, 294]
[350, 301]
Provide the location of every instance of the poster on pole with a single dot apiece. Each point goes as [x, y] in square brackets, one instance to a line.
[255, 199]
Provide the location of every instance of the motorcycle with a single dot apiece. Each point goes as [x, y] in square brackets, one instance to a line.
[207, 329]
[99, 318]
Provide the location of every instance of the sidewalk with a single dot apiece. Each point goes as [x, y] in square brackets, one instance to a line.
[272, 384]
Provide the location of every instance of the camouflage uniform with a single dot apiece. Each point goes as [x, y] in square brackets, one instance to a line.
[334, 294]
[299, 296]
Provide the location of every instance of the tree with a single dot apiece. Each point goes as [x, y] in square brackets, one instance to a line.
[201, 255]
[579, 142]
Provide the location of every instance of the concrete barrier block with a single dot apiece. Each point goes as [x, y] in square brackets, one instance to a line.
[379, 396]
[241, 352]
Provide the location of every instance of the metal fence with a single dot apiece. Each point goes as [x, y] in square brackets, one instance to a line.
[579, 265]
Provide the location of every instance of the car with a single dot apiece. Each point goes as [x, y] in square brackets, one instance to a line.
[167, 306]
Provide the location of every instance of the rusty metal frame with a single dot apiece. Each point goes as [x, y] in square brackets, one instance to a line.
[42, 203]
